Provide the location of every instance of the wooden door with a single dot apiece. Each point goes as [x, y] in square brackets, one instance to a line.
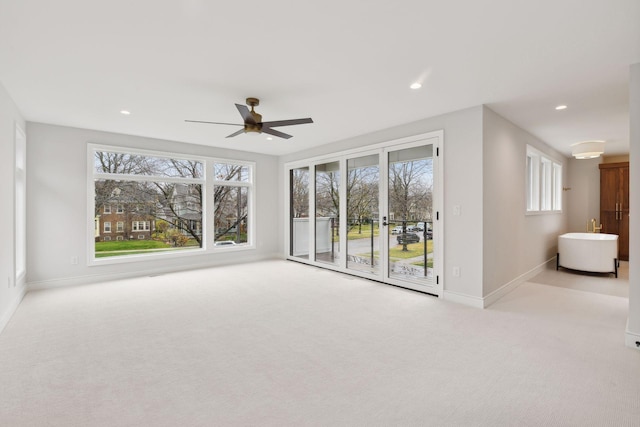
[614, 204]
[608, 200]
[623, 214]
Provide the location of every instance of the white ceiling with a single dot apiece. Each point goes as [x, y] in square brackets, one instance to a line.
[347, 64]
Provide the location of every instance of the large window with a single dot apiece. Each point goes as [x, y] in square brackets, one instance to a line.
[544, 182]
[160, 205]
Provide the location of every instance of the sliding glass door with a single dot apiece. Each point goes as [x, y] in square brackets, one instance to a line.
[375, 213]
[327, 203]
[409, 209]
[363, 226]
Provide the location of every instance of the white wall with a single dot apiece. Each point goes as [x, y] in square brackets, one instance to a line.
[462, 151]
[10, 292]
[57, 207]
[633, 328]
[584, 196]
[514, 244]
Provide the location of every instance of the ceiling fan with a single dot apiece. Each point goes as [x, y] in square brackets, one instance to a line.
[253, 121]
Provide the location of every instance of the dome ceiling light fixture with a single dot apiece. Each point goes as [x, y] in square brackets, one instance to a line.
[587, 149]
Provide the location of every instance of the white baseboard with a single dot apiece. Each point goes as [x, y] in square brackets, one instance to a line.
[6, 316]
[462, 299]
[631, 339]
[494, 296]
[95, 278]
[510, 286]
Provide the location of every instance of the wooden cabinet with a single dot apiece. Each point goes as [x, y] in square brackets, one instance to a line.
[614, 204]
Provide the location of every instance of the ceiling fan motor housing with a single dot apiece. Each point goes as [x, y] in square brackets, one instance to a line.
[257, 126]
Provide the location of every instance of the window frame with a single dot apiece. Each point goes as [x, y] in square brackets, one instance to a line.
[208, 183]
[250, 184]
[20, 206]
[543, 183]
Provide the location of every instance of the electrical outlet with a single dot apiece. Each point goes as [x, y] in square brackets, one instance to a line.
[456, 271]
[457, 210]
[74, 260]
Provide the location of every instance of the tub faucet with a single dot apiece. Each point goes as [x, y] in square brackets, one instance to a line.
[594, 228]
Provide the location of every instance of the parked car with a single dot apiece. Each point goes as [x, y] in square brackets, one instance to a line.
[412, 228]
[408, 238]
[224, 243]
[421, 226]
[397, 229]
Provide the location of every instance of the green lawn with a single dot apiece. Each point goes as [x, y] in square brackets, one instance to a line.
[413, 250]
[133, 247]
[126, 245]
[354, 233]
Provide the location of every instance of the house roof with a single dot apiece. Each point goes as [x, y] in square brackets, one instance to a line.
[346, 64]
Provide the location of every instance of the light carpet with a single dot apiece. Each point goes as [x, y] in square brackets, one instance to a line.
[278, 343]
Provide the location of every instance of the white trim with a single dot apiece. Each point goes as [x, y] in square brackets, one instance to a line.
[513, 284]
[11, 309]
[144, 178]
[631, 338]
[19, 207]
[63, 282]
[380, 145]
[464, 299]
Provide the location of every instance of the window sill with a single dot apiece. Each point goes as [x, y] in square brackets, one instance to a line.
[537, 213]
[179, 253]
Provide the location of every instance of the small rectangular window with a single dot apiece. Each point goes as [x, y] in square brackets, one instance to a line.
[543, 182]
[107, 209]
[107, 227]
[557, 189]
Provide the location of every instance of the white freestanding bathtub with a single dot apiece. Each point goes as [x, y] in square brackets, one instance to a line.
[593, 252]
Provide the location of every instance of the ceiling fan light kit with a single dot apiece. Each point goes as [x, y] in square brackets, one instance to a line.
[253, 123]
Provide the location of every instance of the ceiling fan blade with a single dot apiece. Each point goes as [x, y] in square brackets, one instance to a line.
[213, 123]
[246, 114]
[236, 133]
[275, 132]
[287, 122]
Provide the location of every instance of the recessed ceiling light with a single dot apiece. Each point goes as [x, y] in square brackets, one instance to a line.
[415, 85]
[561, 107]
[269, 138]
[125, 112]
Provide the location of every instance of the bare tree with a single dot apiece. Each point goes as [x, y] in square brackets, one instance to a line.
[407, 180]
[300, 192]
[362, 194]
